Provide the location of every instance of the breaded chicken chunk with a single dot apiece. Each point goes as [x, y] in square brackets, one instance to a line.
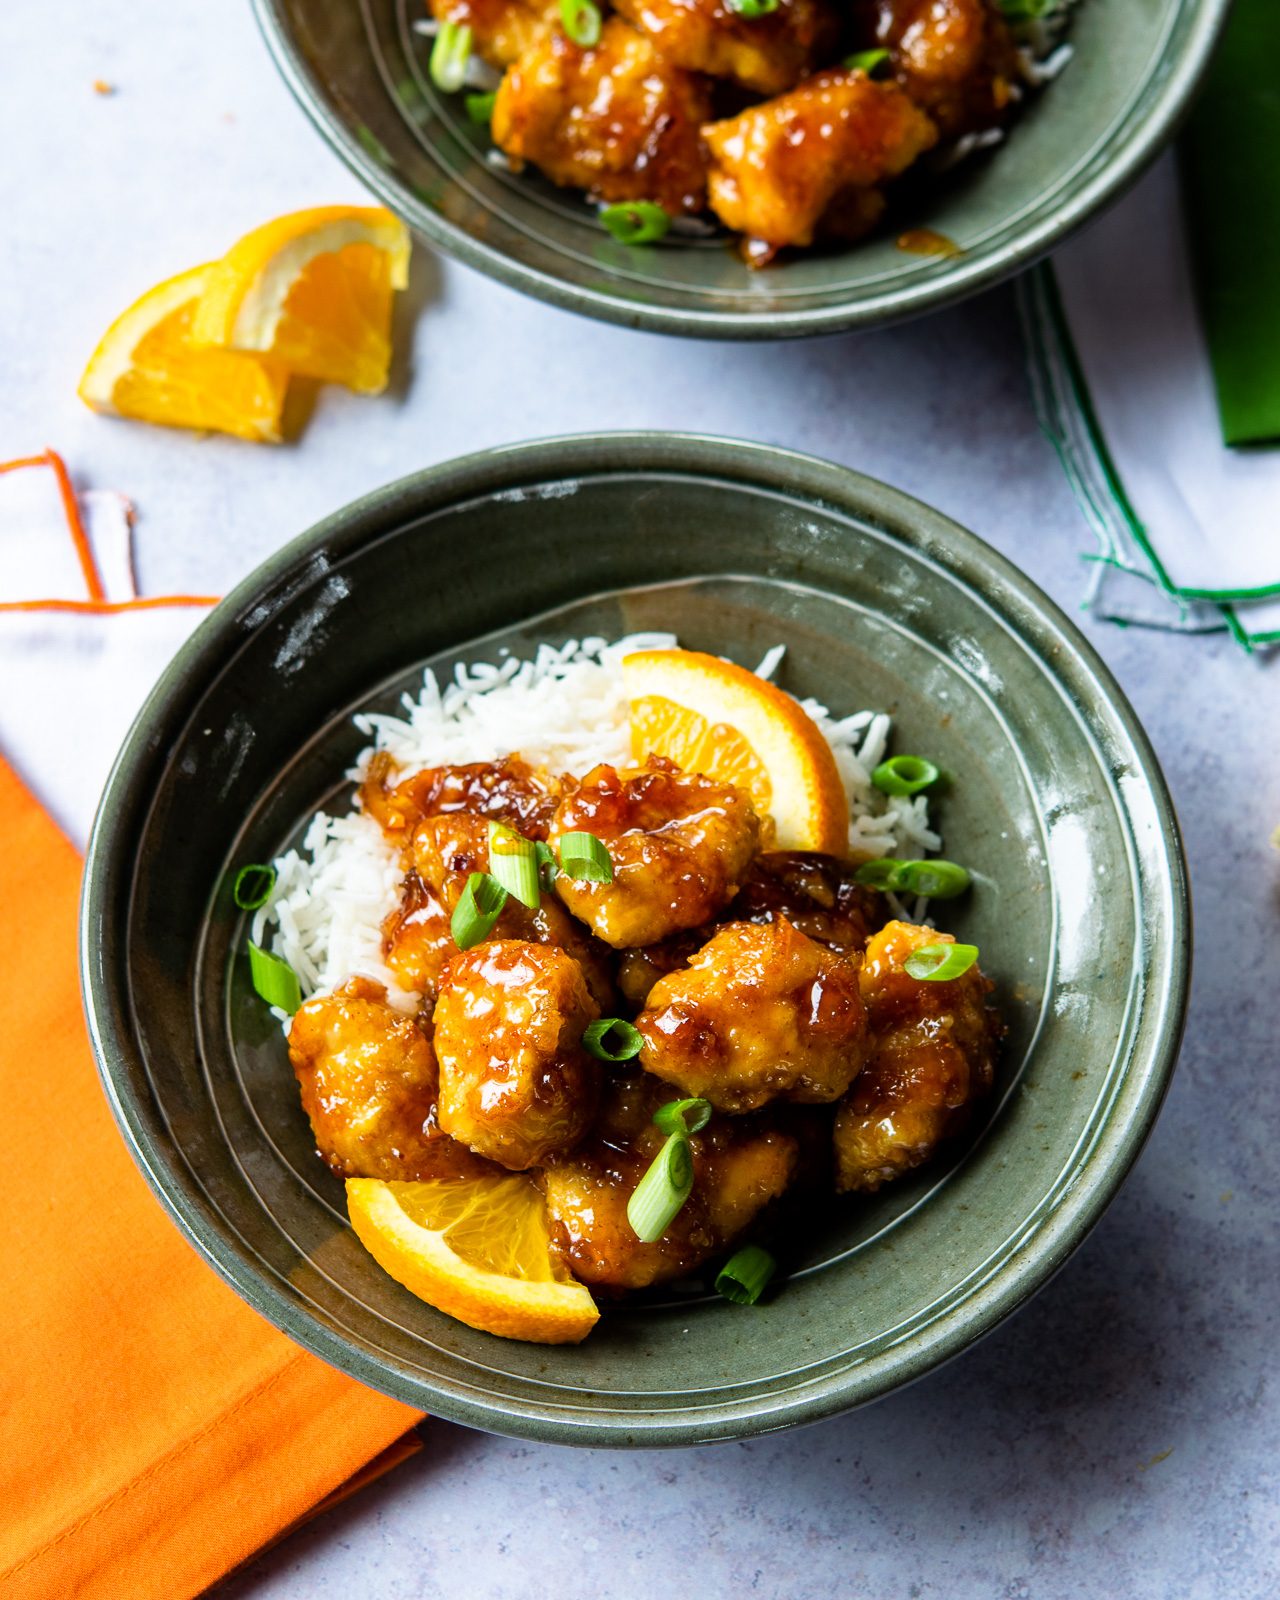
[617, 120]
[767, 53]
[738, 1166]
[680, 844]
[955, 58]
[516, 1084]
[779, 168]
[501, 30]
[368, 1079]
[934, 1056]
[760, 1013]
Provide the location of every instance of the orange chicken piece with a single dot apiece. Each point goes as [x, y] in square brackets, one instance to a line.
[934, 1056]
[616, 120]
[955, 58]
[501, 30]
[778, 169]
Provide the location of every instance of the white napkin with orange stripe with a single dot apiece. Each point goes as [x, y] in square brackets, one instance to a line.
[80, 649]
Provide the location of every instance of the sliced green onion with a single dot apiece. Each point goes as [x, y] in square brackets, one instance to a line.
[581, 20]
[753, 8]
[938, 879]
[513, 861]
[938, 963]
[583, 856]
[480, 107]
[868, 61]
[253, 886]
[274, 979]
[449, 53]
[548, 871]
[881, 873]
[683, 1116]
[635, 221]
[662, 1191]
[612, 1039]
[477, 911]
[745, 1276]
[904, 775]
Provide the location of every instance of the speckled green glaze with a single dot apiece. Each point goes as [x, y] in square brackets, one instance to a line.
[1058, 807]
[359, 71]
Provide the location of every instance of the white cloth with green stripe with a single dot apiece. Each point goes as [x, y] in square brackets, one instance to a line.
[1188, 530]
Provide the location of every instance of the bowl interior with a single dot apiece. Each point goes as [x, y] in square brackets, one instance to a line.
[360, 70]
[1055, 807]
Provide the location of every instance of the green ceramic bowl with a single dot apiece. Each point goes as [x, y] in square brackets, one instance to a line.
[1057, 806]
[359, 71]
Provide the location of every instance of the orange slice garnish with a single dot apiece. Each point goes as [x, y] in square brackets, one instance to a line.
[712, 717]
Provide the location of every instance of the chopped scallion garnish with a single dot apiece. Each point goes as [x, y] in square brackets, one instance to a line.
[635, 221]
[753, 8]
[477, 911]
[882, 873]
[583, 856]
[612, 1039]
[662, 1191]
[449, 55]
[745, 1276]
[581, 20]
[868, 61]
[274, 979]
[253, 886]
[480, 107]
[936, 879]
[939, 963]
[683, 1116]
[904, 775]
[513, 861]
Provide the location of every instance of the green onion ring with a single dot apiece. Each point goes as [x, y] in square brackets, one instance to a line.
[662, 1191]
[253, 886]
[936, 879]
[548, 870]
[449, 54]
[939, 963]
[274, 979]
[513, 861]
[478, 909]
[904, 775]
[745, 1276]
[868, 61]
[584, 857]
[480, 107]
[635, 221]
[581, 20]
[596, 1039]
[882, 873]
[753, 8]
[683, 1116]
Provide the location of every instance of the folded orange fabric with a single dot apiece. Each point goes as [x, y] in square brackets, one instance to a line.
[154, 1431]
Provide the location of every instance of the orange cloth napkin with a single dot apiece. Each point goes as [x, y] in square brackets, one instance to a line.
[154, 1431]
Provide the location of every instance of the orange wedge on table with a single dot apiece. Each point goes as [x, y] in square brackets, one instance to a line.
[477, 1249]
[315, 291]
[309, 294]
[146, 367]
[710, 716]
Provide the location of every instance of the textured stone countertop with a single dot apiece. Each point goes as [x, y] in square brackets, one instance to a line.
[1118, 1437]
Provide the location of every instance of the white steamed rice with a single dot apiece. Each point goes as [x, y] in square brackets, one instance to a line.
[564, 709]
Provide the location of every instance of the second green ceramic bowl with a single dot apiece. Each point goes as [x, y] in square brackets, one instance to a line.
[358, 69]
[1057, 807]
